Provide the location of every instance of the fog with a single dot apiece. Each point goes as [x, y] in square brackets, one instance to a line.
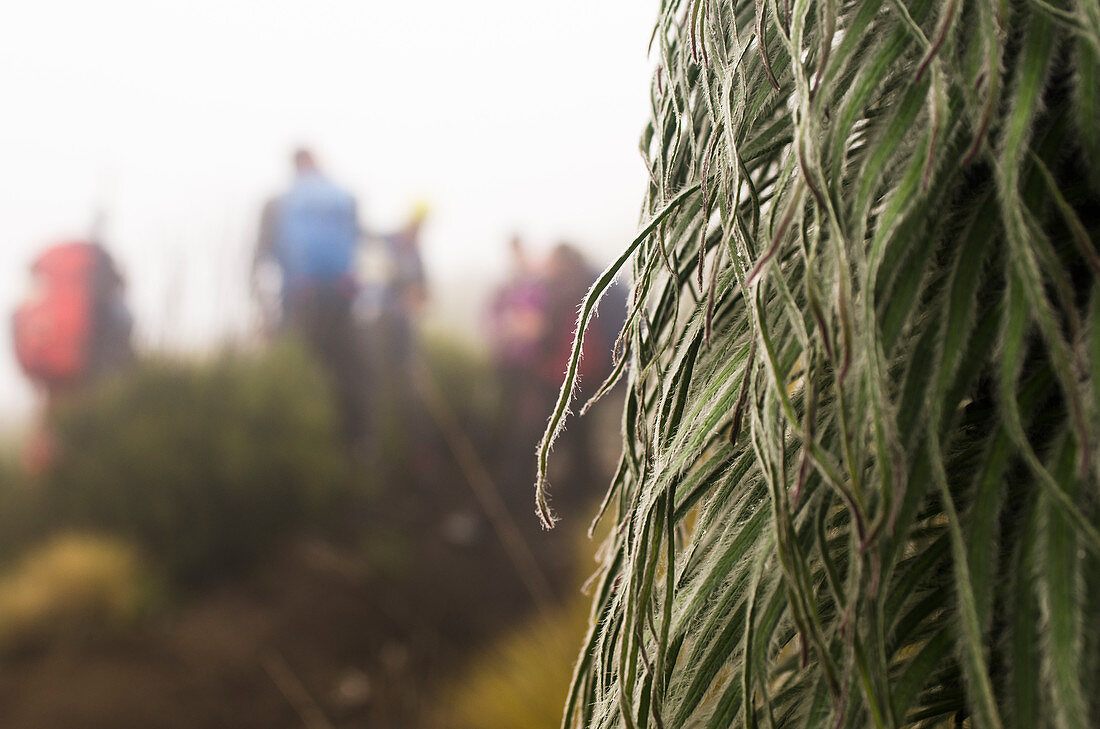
[175, 121]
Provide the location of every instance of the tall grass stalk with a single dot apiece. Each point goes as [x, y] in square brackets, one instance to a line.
[859, 484]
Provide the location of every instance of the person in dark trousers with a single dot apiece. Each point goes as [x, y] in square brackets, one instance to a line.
[404, 292]
[568, 277]
[311, 233]
[516, 325]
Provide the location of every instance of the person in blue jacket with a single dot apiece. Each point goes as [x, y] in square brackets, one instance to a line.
[310, 234]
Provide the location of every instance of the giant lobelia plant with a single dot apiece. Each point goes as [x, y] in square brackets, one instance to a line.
[859, 484]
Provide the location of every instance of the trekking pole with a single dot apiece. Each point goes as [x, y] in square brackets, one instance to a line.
[485, 490]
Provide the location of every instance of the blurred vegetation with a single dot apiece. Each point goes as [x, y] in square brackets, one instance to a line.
[188, 470]
[520, 682]
[465, 373]
[203, 465]
[17, 507]
[73, 584]
[461, 370]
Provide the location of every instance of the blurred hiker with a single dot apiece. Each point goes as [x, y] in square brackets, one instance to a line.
[397, 295]
[310, 234]
[404, 292]
[73, 328]
[516, 318]
[517, 327]
[517, 324]
[568, 278]
[533, 316]
[531, 325]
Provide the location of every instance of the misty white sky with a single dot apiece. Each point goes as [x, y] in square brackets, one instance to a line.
[177, 120]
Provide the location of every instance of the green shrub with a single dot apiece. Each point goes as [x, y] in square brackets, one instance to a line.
[18, 506]
[203, 465]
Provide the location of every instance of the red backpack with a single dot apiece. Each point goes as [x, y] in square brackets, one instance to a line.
[52, 328]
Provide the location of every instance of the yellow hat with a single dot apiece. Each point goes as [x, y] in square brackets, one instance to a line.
[420, 211]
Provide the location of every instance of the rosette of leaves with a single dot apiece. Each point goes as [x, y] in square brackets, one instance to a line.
[859, 484]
